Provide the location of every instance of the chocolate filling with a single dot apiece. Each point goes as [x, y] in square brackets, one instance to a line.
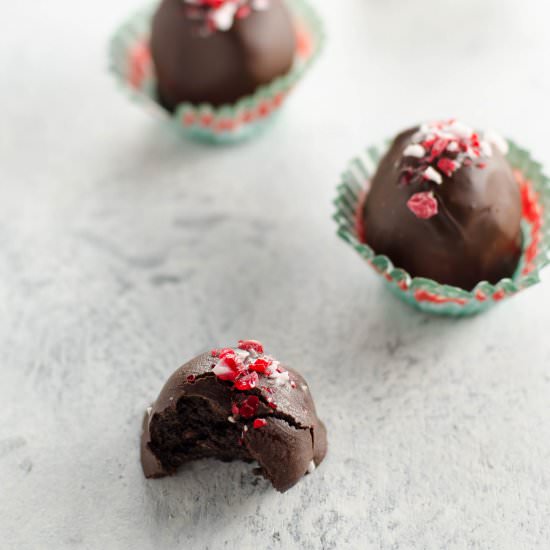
[194, 431]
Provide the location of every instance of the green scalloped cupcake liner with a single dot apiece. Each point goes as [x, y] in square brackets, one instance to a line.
[426, 294]
[131, 63]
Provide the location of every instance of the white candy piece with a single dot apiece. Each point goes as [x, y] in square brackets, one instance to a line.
[282, 378]
[243, 353]
[486, 149]
[497, 140]
[260, 5]
[452, 147]
[433, 175]
[414, 150]
[311, 467]
[460, 130]
[223, 17]
[222, 369]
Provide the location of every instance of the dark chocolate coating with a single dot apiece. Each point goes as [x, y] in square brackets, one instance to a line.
[476, 236]
[223, 66]
[191, 420]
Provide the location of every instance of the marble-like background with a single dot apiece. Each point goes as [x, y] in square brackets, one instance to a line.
[125, 251]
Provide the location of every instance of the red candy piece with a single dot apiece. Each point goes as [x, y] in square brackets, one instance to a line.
[447, 166]
[230, 365]
[249, 407]
[438, 148]
[260, 365]
[226, 352]
[212, 3]
[226, 369]
[423, 205]
[243, 11]
[259, 423]
[248, 345]
[247, 382]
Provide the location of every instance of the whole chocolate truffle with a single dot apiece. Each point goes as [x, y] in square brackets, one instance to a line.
[235, 404]
[444, 205]
[219, 51]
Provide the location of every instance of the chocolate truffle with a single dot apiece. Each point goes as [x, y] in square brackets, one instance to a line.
[235, 404]
[444, 204]
[218, 51]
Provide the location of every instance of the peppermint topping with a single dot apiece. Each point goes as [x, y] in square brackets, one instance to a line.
[423, 205]
[247, 408]
[432, 175]
[498, 141]
[247, 382]
[261, 365]
[249, 369]
[221, 14]
[414, 150]
[249, 345]
[439, 149]
[228, 368]
[244, 366]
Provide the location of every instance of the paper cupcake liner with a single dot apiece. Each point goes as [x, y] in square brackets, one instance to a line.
[131, 63]
[426, 294]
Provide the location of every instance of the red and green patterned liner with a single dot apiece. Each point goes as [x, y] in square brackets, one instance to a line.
[132, 66]
[426, 294]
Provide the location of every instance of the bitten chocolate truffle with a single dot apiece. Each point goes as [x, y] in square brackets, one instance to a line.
[218, 51]
[444, 204]
[235, 404]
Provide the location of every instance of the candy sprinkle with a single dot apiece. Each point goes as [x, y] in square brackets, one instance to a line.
[248, 368]
[247, 382]
[423, 205]
[248, 408]
[221, 14]
[251, 345]
[439, 149]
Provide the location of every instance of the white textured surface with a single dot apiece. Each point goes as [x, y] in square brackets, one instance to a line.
[125, 251]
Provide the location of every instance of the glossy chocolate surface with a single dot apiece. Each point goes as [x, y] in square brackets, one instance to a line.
[218, 67]
[475, 235]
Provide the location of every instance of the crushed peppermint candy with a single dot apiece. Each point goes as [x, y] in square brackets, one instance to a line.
[221, 14]
[439, 149]
[246, 364]
[423, 205]
[261, 365]
[253, 345]
[247, 408]
[432, 175]
[247, 382]
[414, 150]
[249, 369]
